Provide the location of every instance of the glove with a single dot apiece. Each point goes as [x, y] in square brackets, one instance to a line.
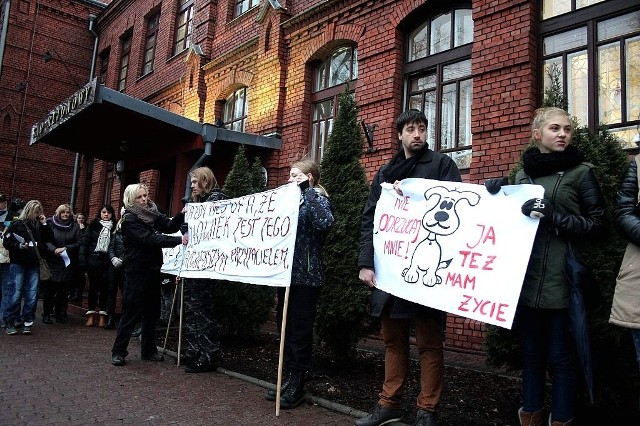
[303, 185]
[493, 185]
[538, 208]
[117, 262]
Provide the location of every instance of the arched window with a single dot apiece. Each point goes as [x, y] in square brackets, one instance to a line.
[329, 77]
[592, 51]
[235, 110]
[438, 80]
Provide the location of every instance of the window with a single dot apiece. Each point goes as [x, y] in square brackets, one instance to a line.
[184, 26]
[596, 62]
[243, 6]
[235, 110]
[551, 8]
[150, 43]
[124, 60]
[104, 66]
[439, 83]
[329, 77]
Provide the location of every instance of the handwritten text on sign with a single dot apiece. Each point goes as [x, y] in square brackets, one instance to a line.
[455, 247]
[247, 239]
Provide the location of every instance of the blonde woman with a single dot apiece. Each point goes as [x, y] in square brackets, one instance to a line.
[22, 237]
[572, 209]
[66, 239]
[141, 226]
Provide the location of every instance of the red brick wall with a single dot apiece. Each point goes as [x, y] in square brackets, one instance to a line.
[273, 57]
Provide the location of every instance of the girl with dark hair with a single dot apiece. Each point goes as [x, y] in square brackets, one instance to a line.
[93, 254]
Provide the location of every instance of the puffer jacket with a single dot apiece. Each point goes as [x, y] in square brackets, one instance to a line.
[579, 209]
[315, 218]
[625, 308]
[431, 165]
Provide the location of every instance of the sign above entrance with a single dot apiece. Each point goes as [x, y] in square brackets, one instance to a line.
[65, 110]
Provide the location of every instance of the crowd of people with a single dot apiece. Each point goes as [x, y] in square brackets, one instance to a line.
[126, 255]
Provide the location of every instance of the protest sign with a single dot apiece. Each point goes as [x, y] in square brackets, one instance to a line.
[248, 239]
[455, 247]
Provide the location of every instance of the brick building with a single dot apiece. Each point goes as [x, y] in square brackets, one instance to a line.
[267, 73]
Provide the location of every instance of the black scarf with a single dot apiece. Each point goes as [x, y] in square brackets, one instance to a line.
[537, 164]
[400, 166]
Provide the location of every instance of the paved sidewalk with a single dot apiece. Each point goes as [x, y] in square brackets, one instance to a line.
[62, 375]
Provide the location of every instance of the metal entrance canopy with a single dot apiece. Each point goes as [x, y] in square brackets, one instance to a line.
[108, 125]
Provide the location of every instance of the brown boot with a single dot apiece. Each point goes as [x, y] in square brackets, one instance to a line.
[90, 318]
[531, 419]
[103, 319]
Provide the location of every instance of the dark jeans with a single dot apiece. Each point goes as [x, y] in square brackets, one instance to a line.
[546, 339]
[141, 298]
[54, 296]
[201, 326]
[301, 314]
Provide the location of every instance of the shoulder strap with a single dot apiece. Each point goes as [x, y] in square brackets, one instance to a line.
[35, 243]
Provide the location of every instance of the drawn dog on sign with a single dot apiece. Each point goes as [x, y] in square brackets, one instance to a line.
[441, 219]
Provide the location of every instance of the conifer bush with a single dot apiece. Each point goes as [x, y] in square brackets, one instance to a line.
[343, 310]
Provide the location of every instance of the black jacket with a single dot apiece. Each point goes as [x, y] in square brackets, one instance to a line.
[626, 215]
[63, 237]
[88, 255]
[26, 257]
[431, 165]
[143, 242]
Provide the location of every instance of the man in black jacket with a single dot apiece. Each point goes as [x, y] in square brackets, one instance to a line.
[414, 160]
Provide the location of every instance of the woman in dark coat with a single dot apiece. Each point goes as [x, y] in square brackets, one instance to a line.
[66, 242]
[93, 254]
[141, 227]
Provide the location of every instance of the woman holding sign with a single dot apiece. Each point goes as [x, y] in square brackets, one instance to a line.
[572, 208]
[203, 340]
[315, 217]
[141, 227]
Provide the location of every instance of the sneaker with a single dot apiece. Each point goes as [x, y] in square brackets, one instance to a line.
[380, 416]
[28, 323]
[425, 418]
[11, 330]
[26, 329]
[117, 360]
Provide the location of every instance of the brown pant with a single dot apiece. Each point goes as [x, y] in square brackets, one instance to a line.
[429, 341]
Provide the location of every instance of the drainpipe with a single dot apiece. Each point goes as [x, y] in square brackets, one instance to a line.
[3, 35]
[76, 163]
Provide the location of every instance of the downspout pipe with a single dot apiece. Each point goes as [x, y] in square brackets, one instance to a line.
[3, 34]
[76, 163]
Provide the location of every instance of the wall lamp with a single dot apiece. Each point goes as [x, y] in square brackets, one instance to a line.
[48, 56]
[368, 134]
